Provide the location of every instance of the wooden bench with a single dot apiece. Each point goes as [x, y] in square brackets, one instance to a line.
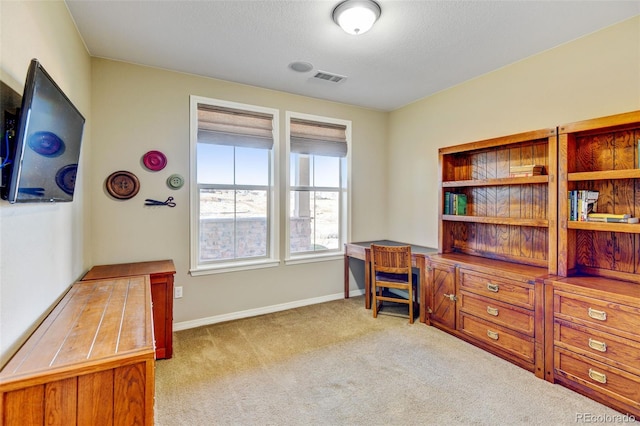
[90, 362]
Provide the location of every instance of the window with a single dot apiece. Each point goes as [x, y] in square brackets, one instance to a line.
[233, 197]
[317, 185]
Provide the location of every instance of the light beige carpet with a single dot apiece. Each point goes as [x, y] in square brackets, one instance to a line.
[333, 364]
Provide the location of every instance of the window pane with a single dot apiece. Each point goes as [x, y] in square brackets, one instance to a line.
[215, 163]
[314, 221]
[233, 224]
[217, 224]
[252, 166]
[251, 223]
[326, 171]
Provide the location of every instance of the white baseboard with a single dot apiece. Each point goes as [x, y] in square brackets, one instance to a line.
[184, 325]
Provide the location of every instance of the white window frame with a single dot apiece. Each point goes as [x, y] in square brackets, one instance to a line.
[273, 218]
[345, 199]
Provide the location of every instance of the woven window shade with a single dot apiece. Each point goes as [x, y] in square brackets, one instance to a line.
[226, 126]
[313, 138]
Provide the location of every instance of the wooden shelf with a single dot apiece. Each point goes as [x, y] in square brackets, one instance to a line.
[606, 174]
[543, 179]
[507, 218]
[600, 155]
[630, 228]
[541, 223]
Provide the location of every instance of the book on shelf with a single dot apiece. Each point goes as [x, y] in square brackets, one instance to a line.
[582, 202]
[455, 203]
[613, 219]
[526, 170]
[595, 215]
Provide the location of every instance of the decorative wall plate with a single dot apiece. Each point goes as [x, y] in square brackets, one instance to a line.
[175, 181]
[122, 185]
[154, 160]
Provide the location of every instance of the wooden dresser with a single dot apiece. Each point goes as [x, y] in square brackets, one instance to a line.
[161, 273]
[596, 339]
[90, 362]
[493, 304]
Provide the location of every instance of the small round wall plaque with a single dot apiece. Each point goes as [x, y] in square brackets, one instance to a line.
[175, 181]
[154, 160]
[122, 185]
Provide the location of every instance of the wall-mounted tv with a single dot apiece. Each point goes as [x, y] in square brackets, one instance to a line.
[41, 143]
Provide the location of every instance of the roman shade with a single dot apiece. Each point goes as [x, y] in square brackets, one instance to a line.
[227, 126]
[313, 138]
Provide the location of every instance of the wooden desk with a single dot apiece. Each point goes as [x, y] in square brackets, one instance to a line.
[161, 273]
[90, 362]
[362, 251]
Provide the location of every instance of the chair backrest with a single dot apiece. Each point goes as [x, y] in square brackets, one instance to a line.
[391, 259]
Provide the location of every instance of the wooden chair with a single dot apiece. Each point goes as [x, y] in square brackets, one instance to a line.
[391, 269]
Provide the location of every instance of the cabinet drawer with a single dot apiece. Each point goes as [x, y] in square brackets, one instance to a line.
[502, 289]
[608, 316]
[604, 347]
[516, 344]
[509, 316]
[602, 378]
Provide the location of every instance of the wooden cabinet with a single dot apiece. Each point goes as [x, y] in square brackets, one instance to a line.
[90, 362]
[493, 304]
[492, 255]
[596, 339]
[161, 273]
[440, 292]
[593, 343]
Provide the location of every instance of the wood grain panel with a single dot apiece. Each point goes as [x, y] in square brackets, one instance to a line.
[95, 399]
[129, 384]
[61, 402]
[625, 150]
[24, 407]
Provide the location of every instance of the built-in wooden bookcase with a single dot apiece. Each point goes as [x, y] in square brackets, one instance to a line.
[508, 218]
[600, 155]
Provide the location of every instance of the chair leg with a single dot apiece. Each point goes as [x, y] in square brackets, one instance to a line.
[411, 297]
[374, 302]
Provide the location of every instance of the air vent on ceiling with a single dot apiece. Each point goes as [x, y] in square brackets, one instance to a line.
[334, 78]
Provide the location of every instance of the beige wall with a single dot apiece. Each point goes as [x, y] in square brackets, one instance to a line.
[137, 109]
[42, 246]
[593, 76]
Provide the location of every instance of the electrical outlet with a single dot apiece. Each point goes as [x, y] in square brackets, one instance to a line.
[177, 292]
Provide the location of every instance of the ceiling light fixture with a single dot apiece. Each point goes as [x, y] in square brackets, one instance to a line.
[356, 16]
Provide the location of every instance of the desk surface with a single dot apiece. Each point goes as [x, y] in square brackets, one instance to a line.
[414, 248]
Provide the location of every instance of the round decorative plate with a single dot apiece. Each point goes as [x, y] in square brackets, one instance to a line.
[66, 178]
[154, 160]
[47, 144]
[122, 185]
[175, 181]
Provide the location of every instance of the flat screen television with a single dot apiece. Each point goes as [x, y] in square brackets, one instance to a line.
[43, 142]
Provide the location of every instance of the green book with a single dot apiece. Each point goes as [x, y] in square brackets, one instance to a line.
[461, 205]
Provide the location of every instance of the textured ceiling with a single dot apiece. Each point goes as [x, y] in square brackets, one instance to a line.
[417, 48]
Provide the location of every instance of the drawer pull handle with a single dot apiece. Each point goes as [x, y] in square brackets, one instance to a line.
[597, 315]
[451, 297]
[492, 335]
[598, 377]
[492, 311]
[493, 287]
[596, 345]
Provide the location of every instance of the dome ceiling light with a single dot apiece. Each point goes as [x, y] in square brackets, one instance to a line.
[356, 16]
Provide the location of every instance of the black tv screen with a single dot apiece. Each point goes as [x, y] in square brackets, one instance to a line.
[48, 135]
